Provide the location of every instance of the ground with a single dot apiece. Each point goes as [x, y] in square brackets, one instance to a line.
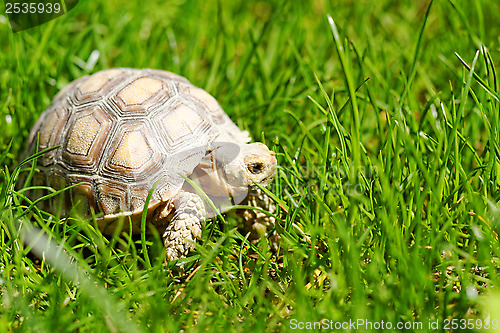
[385, 119]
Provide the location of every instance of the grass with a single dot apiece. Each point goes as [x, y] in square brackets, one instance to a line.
[385, 120]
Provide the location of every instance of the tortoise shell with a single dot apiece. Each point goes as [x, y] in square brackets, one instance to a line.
[122, 130]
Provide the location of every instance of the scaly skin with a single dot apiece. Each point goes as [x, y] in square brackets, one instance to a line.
[186, 225]
[256, 222]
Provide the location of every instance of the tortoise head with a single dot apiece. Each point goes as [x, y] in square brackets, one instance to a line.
[245, 165]
[229, 171]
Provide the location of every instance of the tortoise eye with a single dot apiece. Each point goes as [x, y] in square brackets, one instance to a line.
[255, 168]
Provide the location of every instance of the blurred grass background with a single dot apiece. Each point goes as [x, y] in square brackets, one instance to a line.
[389, 159]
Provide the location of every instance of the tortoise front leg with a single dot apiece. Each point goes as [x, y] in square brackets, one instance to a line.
[185, 227]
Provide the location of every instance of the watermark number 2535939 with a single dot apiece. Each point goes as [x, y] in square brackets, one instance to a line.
[28, 14]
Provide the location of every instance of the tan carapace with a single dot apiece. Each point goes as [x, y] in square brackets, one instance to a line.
[123, 132]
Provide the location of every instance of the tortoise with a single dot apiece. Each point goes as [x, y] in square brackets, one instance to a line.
[127, 136]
